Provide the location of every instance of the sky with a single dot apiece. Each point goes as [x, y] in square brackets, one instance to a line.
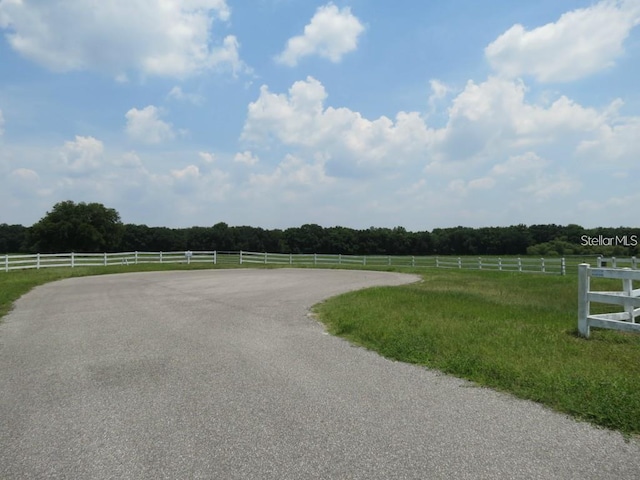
[360, 113]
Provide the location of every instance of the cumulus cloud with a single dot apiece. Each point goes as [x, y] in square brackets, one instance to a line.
[246, 158]
[145, 125]
[331, 33]
[82, 155]
[580, 43]
[155, 37]
[301, 119]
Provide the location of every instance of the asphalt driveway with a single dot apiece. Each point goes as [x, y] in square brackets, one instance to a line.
[222, 374]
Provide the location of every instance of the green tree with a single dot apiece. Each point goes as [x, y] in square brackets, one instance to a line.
[81, 227]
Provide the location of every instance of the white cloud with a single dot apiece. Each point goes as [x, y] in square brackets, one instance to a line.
[246, 157]
[176, 93]
[292, 172]
[615, 144]
[580, 43]
[519, 165]
[155, 37]
[207, 157]
[438, 92]
[146, 126]
[81, 156]
[300, 119]
[331, 33]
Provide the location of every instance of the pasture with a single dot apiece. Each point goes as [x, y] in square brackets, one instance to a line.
[509, 331]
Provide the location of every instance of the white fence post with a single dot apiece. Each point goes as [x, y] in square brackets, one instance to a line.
[38, 261]
[542, 267]
[500, 264]
[72, 260]
[6, 263]
[240, 257]
[105, 259]
[479, 263]
[413, 261]
[563, 267]
[634, 263]
[136, 257]
[265, 258]
[437, 262]
[160, 257]
[215, 257]
[583, 299]
[519, 264]
[459, 262]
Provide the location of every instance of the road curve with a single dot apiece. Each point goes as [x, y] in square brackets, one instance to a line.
[221, 374]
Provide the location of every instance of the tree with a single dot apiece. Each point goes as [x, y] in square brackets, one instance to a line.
[82, 227]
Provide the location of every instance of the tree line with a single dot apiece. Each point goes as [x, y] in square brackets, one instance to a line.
[92, 227]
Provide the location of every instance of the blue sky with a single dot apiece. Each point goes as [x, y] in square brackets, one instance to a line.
[277, 113]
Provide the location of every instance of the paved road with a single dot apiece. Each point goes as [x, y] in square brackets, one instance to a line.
[221, 374]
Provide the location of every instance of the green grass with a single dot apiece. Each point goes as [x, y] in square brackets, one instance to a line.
[512, 332]
[509, 331]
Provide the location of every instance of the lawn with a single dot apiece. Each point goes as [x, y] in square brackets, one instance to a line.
[512, 332]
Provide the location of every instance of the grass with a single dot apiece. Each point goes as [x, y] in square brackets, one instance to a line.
[511, 332]
[508, 331]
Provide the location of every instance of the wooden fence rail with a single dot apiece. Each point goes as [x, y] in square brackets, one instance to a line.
[554, 265]
[628, 298]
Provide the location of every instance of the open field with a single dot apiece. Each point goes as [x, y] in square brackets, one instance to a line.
[509, 331]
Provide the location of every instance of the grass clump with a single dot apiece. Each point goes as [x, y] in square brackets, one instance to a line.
[512, 332]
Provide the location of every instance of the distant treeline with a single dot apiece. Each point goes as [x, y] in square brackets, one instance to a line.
[544, 240]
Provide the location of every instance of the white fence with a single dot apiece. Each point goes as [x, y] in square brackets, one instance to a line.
[555, 265]
[531, 265]
[628, 298]
[53, 260]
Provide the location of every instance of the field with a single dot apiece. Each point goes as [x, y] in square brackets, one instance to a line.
[509, 331]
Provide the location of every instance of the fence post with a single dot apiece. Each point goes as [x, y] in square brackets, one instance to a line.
[215, 257]
[413, 261]
[364, 260]
[599, 261]
[500, 264]
[290, 258]
[542, 269]
[634, 262]
[613, 262]
[479, 263]
[563, 267]
[72, 260]
[265, 258]
[627, 287]
[6, 262]
[388, 260]
[105, 259]
[459, 262]
[315, 258]
[339, 259]
[160, 257]
[519, 264]
[437, 262]
[38, 261]
[136, 257]
[240, 257]
[583, 299]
